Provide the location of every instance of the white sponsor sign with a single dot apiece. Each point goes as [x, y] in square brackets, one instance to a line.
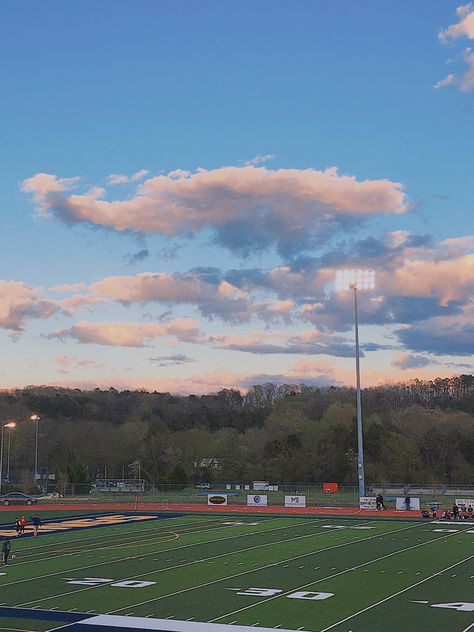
[217, 499]
[295, 501]
[403, 504]
[257, 500]
[466, 502]
[367, 502]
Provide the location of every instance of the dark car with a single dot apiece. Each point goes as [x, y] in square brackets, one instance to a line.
[17, 498]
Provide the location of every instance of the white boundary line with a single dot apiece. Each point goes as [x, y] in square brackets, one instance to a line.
[347, 570]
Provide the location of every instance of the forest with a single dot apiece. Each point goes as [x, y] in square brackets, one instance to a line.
[414, 432]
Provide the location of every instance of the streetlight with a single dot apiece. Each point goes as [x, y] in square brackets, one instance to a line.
[357, 280]
[11, 424]
[36, 418]
[10, 428]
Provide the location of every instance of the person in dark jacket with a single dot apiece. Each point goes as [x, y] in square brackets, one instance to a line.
[6, 548]
[36, 524]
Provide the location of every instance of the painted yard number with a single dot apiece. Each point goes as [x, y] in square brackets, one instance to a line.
[462, 606]
[99, 581]
[272, 592]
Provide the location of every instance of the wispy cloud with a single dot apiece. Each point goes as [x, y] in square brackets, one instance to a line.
[463, 28]
[120, 178]
[128, 334]
[171, 360]
[136, 257]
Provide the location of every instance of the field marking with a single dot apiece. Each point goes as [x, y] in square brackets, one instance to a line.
[38, 552]
[400, 592]
[253, 570]
[131, 557]
[317, 581]
[469, 627]
[162, 570]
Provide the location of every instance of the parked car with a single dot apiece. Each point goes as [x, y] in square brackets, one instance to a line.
[203, 486]
[17, 498]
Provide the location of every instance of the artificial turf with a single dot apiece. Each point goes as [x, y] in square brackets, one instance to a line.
[295, 573]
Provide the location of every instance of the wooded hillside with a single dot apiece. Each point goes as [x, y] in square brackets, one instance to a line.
[414, 432]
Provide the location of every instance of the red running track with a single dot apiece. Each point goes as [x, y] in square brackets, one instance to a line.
[186, 508]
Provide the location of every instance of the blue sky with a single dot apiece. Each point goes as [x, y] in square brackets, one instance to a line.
[263, 96]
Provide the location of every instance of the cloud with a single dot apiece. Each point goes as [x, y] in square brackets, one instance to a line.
[409, 361]
[464, 28]
[19, 303]
[171, 360]
[447, 81]
[442, 335]
[260, 159]
[311, 342]
[136, 257]
[248, 208]
[68, 363]
[119, 178]
[129, 334]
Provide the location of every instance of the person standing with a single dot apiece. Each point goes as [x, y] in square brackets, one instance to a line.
[379, 502]
[36, 524]
[455, 512]
[22, 525]
[6, 548]
[17, 527]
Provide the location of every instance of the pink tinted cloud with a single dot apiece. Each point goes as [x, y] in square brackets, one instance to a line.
[464, 27]
[282, 207]
[132, 334]
[19, 303]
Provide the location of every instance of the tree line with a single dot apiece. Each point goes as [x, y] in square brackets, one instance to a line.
[414, 432]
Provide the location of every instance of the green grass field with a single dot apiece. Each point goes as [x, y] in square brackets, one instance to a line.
[291, 573]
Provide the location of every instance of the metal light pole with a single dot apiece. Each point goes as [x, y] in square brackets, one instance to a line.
[12, 424]
[10, 428]
[36, 418]
[354, 280]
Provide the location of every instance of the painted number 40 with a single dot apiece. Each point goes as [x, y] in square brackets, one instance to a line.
[272, 592]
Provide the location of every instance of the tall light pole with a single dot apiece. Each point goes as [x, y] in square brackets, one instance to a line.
[354, 280]
[36, 419]
[12, 424]
[10, 428]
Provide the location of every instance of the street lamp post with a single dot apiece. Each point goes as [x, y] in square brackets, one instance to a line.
[11, 424]
[36, 418]
[354, 280]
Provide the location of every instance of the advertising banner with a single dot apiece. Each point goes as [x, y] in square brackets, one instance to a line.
[257, 500]
[295, 501]
[367, 502]
[407, 504]
[465, 502]
[217, 499]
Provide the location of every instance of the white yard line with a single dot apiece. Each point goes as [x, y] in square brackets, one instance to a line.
[400, 592]
[347, 570]
[253, 570]
[162, 570]
[130, 557]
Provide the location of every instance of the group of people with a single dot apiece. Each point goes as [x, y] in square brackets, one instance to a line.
[20, 525]
[20, 528]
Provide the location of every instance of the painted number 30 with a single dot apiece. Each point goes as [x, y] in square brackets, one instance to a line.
[99, 581]
[272, 592]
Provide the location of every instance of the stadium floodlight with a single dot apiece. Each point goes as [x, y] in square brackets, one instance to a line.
[357, 280]
[11, 424]
[36, 418]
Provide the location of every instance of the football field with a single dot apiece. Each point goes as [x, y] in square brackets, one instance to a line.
[212, 573]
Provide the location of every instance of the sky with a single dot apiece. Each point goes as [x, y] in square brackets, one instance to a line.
[181, 181]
